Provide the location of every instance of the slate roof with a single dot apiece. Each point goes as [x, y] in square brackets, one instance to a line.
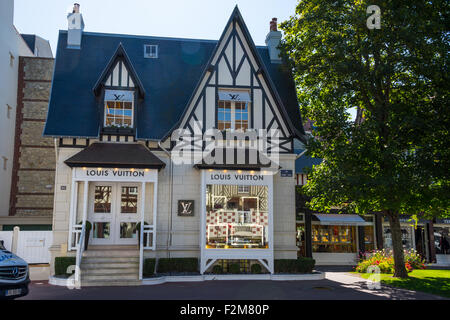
[117, 155]
[169, 81]
[305, 162]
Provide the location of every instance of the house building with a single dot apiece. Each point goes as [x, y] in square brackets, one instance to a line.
[173, 148]
[25, 77]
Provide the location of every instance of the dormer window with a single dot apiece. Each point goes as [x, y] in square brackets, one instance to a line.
[119, 109]
[233, 110]
[150, 51]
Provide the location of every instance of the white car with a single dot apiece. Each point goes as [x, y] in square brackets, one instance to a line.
[14, 275]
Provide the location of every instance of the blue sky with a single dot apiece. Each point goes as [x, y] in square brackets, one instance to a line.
[198, 19]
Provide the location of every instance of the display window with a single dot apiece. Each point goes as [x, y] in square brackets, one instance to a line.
[235, 219]
[338, 239]
[407, 237]
[442, 239]
[369, 238]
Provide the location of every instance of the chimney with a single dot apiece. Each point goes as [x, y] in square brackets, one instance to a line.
[75, 28]
[273, 39]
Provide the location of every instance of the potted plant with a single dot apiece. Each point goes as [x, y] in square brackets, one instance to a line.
[87, 232]
[138, 230]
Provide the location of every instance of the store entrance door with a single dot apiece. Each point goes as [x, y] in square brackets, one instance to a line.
[114, 213]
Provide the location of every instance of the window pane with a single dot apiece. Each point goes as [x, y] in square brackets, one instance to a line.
[101, 230]
[128, 230]
[129, 200]
[119, 114]
[236, 217]
[102, 199]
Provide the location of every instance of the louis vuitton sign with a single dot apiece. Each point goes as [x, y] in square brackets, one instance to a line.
[186, 208]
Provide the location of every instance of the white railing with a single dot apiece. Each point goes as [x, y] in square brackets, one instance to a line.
[79, 256]
[75, 236]
[146, 242]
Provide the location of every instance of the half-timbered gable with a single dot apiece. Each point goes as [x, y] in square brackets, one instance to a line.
[236, 91]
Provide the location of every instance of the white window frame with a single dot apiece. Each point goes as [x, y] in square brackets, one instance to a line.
[151, 55]
[132, 114]
[233, 114]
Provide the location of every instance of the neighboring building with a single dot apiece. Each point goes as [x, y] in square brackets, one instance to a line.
[25, 91]
[115, 105]
[40, 47]
[336, 239]
[12, 46]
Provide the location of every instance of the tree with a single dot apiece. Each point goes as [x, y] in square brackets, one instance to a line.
[394, 158]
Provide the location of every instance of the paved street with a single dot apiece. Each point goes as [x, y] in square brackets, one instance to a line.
[337, 286]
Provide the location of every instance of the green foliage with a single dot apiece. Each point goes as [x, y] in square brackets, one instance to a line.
[431, 281]
[234, 268]
[300, 265]
[384, 260]
[394, 157]
[149, 267]
[256, 268]
[397, 77]
[62, 263]
[167, 265]
[217, 269]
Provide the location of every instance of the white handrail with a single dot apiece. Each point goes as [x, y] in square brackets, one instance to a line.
[79, 256]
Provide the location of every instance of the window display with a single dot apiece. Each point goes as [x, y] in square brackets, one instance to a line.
[442, 239]
[369, 238]
[407, 237]
[338, 239]
[235, 219]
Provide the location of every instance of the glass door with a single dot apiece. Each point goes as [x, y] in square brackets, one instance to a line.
[101, 213]
[128, 213]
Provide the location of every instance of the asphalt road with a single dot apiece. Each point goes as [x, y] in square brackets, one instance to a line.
[337, 286]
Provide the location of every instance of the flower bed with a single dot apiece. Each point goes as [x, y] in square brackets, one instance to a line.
[384, 260]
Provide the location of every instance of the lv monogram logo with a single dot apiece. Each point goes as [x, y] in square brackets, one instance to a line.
[234, 96]
[118, 97]
[185, 207]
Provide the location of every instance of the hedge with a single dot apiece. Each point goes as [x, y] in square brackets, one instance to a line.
[300, 265]
[149, 267]
[62, 263]
[166, 265]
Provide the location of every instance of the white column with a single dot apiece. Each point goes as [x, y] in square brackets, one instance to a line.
[73, 211]
[85, 200]
[270, 235]
[141, 231]
[155, 210]
[203, 224]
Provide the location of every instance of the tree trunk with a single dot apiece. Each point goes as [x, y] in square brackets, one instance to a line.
[397, 246]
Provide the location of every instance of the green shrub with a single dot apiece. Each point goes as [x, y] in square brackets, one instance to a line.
[217, 269]
[384, 260]
[149, 267]
[234, 268]
[166, 265]
[255, 268]
[62, 263]
[300, 265]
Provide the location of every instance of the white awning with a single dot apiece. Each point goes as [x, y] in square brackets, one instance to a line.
[234, 96]
[340, 219]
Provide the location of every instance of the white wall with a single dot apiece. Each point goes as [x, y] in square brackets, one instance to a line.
[10, 42]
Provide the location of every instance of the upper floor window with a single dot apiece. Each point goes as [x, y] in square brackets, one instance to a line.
[119, 109]
[150, 51]
[233, 110]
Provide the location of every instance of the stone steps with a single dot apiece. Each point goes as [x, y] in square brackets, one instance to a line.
[110, 266]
